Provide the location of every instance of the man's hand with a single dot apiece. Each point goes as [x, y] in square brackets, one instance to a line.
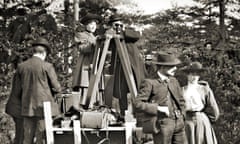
[164, 109]
[110, 32]
[109, 36]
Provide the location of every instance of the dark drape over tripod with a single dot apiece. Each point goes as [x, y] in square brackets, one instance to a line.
[119, 84]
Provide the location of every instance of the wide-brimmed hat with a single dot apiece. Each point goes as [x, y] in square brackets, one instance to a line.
[114, 18]
[162, 58]
[43, 42]
[91, 17]
[194, 67]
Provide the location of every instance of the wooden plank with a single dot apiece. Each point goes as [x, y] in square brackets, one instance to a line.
[124, 59]
[77, 132]
[127, 69]
[129, 129]
[95, 78]
[48, 122]
[50, 130]
[62, 129]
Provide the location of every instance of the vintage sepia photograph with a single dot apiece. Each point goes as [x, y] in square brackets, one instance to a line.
[119, 72]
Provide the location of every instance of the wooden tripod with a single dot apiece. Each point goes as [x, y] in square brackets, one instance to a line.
[99, 64]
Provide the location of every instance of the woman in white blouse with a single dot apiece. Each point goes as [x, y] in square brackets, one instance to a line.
[201, 107]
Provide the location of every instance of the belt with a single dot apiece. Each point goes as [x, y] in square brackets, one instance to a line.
[192, 113]
[177, 114]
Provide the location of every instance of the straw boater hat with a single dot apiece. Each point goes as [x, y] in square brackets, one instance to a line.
[91, 17]
[165, 59]
[42, 42]
[194, 67]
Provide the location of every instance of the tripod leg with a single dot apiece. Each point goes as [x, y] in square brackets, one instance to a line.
[126, 65]
[95, 78]
[124, 58]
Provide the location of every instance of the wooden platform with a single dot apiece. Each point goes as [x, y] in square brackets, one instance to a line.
[78, 135]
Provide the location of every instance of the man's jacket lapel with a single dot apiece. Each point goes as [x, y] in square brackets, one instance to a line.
[174, 91]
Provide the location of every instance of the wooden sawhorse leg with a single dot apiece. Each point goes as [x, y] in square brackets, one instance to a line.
[50, 129]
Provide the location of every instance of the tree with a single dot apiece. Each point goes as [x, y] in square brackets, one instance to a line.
[76, 10]
[222, 10]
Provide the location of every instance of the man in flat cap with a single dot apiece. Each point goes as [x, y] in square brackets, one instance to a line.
[37, 82]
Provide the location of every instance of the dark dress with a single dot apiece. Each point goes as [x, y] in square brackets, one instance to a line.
[86, 43]
[81, 75]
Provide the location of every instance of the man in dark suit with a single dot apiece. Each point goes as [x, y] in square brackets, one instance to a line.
[161, 101]
[38, 83]
[120, 87]
[13, 108]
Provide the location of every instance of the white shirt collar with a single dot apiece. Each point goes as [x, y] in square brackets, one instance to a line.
[162, 76]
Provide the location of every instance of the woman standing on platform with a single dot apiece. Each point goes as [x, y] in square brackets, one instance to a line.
[86, 42]
[201, 107]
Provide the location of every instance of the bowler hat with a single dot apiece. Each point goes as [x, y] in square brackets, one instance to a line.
[22, 10]
[43, 42]
[194, 67]
[114, 18]
[162, 58]
[89, 17]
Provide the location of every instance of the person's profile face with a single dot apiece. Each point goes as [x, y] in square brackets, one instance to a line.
[117, 26]
[193, 77]
[91, 26]
[168, 70]
[107, 14]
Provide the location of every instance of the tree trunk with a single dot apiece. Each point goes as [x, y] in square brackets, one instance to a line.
[76, 13]
[5, 2]
[76, 10]
[210, 13]
[221, 20]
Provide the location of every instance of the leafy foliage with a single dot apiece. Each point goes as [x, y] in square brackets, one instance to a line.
[169, 32]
